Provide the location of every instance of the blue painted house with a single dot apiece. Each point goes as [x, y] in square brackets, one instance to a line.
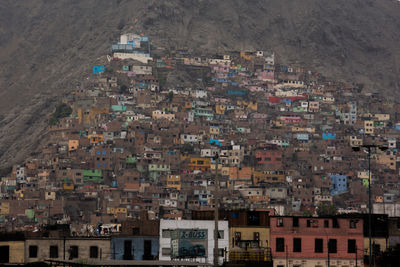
[139, 240]
[237, 92]
[303, 137]
[134, 247]
[215, 142]
[329, 136]
[338, 184]
[98, 69]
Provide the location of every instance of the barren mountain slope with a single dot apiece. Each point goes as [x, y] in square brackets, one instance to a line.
[47, 46]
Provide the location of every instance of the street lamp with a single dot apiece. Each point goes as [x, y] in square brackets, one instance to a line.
[216, 212]
[369, 148]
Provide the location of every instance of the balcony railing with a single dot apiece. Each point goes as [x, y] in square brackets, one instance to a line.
[251, 255]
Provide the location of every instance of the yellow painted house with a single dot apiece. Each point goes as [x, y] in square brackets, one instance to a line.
[220, 109]
[252, 105]
[174, 181]
[293, 83]
[214, 130]
[199, 164]
[249, 233]
[369, 127]
[382, 117]
[68, 186]
[268, 177]
[116, 211]
[4, 208]
[247, 56]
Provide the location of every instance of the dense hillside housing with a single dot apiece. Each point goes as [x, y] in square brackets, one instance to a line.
[150, 134]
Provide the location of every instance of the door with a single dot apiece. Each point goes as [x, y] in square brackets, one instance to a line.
[147, 250]
[128, 250]
[4, 254]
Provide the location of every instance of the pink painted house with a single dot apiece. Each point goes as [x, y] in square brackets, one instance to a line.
[307, 241]
[290, 119]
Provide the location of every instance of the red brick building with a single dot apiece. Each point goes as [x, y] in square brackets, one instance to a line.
[270, 158]
[309, 241]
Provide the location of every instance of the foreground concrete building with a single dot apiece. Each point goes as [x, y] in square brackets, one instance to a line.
[311, 242]
[203, 249]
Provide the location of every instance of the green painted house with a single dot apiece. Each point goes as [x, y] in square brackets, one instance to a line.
[118, 108]
[93, 175]
[131, 160]
[204, 112]
[156, 170]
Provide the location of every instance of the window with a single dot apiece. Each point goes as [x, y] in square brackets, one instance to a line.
[353, 224]
[166, 234]
[238, 237]
[73, 252]
[256, 236]
[332, 246]
[166, 251]
[221, 252]
[33, 251]
[326, 223]
[280, 244]
[319, 245]
[335, 223]
[94, 252]
[53, 252]
[376, 249]
[279, 222]
[351, 246]
[220, 234]
[295, 221]
[312, 223]
[296, 244]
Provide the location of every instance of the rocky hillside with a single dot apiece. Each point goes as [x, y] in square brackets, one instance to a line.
[47, 46]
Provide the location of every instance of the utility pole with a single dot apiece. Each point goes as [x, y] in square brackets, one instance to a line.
[369, 148]
[287, 256]
[369, 206]
[356, 255]
[329, 259]
[216, 212]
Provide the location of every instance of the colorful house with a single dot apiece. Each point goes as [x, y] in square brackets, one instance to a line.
[118, 108]
[73, 145]
[99, 69]
[268, 177]
[174, 181]
[220, 109]
[199, 164]
[93, 175]
[272, 158]
[96, 138]
[338, 183]
[329, 136]
[156, 170]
